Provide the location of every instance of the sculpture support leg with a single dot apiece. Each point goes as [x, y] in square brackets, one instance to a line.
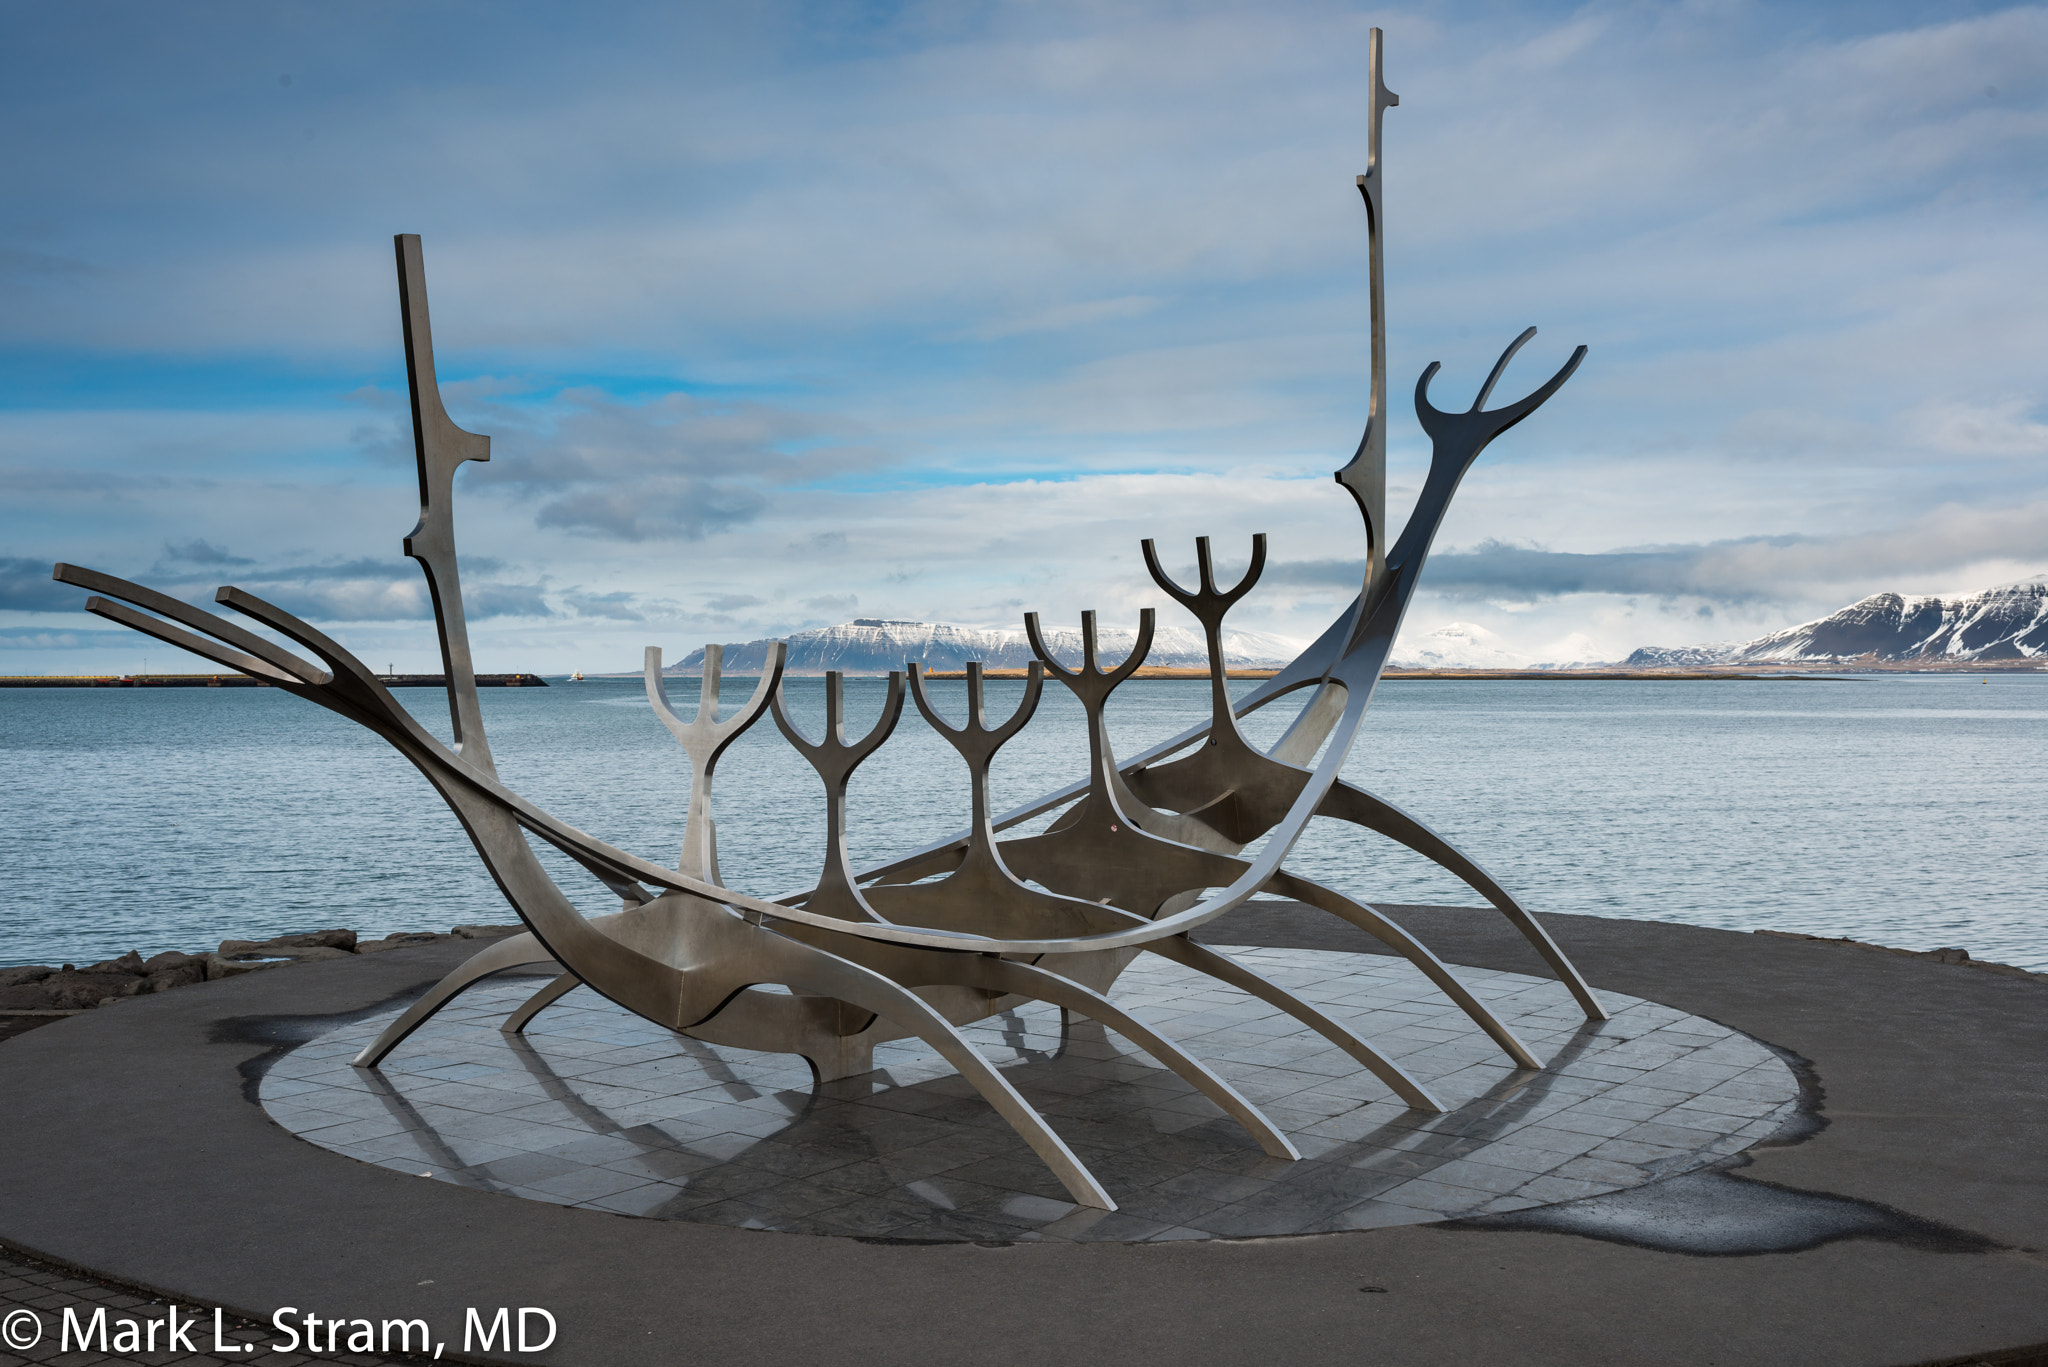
[1027, 980]
[516, 1023]
[1415, 952]
[865, 988]
[1361, 808]
[510, 952]
[1202, 959]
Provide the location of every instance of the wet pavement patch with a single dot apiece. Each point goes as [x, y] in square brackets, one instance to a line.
[1717, 1215]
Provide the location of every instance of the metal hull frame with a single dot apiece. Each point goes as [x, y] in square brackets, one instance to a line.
[1151, 849]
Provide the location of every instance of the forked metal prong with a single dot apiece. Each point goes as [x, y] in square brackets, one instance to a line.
[1476, 420]
[1208, 601]
[977, 735]
[1091, 678]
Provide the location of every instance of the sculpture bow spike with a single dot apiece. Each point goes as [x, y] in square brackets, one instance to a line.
[1469, 432]
[440, 446]
[1456, 439]
[263, 660]
[1365, 477]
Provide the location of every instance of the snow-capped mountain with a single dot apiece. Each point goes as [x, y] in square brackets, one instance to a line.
[1660, 657]
[869, 645]
[1461, 645]
[2009, 622]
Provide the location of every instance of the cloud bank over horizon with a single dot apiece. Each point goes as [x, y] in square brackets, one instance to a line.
[782, 316]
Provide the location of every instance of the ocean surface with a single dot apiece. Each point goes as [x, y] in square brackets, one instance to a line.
[1905, 810]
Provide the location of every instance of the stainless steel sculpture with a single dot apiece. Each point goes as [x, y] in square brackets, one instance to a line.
[1149, 849]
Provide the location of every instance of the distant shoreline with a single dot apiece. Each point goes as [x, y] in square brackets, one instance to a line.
[1762, 670]
[244, 681]
[1755, 673]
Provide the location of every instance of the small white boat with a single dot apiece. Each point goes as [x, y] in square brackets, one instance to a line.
[577, 677]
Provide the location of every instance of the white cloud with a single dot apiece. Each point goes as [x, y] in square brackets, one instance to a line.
[742, 294]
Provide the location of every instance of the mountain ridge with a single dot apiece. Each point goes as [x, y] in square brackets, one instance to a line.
[2006, 622]
[873, 645]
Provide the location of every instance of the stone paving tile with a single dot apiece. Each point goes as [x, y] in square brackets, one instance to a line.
[1590, 1169]
[1549, 1190]
[1375, 1215]
[1630, 1151]
[1575, 1121]
[1487, 1177]
[596, 1108]
[1424, 1194]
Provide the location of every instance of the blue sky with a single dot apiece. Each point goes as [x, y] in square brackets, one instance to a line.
[783, 314]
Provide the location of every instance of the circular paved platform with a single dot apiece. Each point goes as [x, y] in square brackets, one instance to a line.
[596, 1108]
[1902, 1223]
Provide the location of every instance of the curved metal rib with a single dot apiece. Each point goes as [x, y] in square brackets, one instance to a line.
[1109, 851]
[1006, 977]
[983, 893]
[1362, 808]
[1028, 980]
[510, 952]
[703, 739]
[516, 1023]
[1230, 787]
[1415, 952]
[1223, 968]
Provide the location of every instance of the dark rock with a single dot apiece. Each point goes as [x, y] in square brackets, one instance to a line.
[170, 958]
[28, 973]
[399, 941]
[76, 991]
[1949, 956]
[25, 997]
[131, 962]
[220, 966]
[484, 932]
[319, 939]
[177, 975]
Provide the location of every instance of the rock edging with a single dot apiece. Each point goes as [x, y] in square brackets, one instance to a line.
[1947, 955]
[41, 990]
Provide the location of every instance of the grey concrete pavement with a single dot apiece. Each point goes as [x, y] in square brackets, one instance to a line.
[131, 1148]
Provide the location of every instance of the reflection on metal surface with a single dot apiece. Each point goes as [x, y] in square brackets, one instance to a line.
[1151, 848]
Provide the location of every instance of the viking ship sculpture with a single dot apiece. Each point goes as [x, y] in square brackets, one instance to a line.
[1148, 849]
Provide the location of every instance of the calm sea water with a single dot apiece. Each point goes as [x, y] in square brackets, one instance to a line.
[1904, 810]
